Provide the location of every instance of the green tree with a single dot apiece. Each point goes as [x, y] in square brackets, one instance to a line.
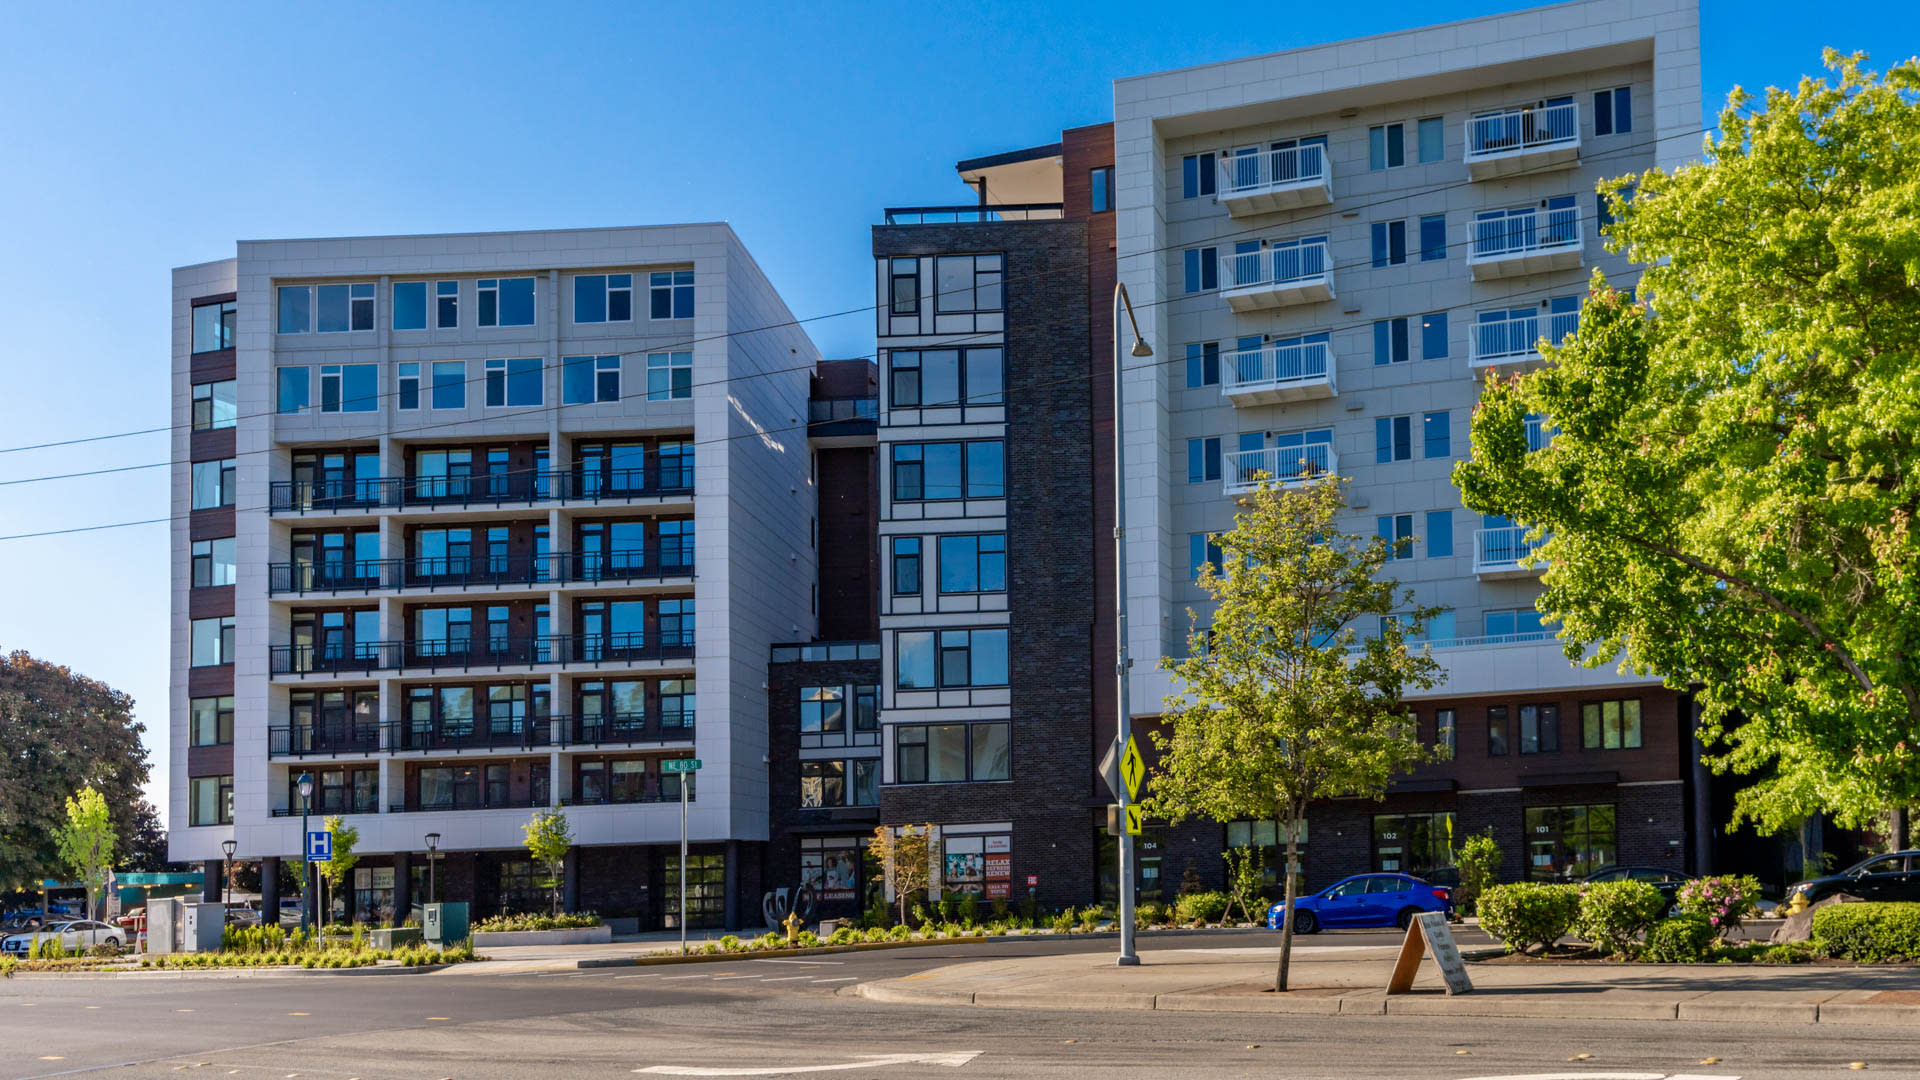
[549, 838]
[1730, 489]
[1479, 870]
[337, 872]
[85, 841]
[1291, 695]
[60, 732]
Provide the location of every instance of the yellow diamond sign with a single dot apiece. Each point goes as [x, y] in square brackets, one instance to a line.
[1132, 769]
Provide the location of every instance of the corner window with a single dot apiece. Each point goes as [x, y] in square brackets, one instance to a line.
[1100, 189]
[506, 302]
[514, 382]
[213, 563]
[952, 753]
[670, 294]
[211, 642]
[669, 376]
[823, 708]
[973, 564]
[903, 285]
[965, 284]
[213, 326]
[1610, 725]
[210, 800]
[293, 389]
[906, 566]
[213, 406]
[588, 379]
[603, 298]
[409, 305]
[950, 659]
[213, 484]
[211, 721]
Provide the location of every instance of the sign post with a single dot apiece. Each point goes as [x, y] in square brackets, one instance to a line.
[684, 767]
[319, 850]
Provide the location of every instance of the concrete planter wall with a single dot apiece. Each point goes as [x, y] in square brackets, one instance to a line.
[585, 935]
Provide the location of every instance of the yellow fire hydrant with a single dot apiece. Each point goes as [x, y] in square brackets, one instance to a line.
[793, 924]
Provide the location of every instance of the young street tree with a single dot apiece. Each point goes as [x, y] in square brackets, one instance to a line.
[86, 843]
[1730, 490]
[549, 838]
[337, 872]
[1290, 695]
[908, 857]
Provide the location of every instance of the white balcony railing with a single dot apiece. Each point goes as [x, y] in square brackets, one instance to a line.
[1281, 464]
[1539, 433]
[1268, 180]
[1512, 340]
[1294, 272]
[1277, 373]
[1528, 240]
[1523, 139]
[1497, 552]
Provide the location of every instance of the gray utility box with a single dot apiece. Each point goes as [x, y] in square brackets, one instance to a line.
[163, 926]
[201, 927]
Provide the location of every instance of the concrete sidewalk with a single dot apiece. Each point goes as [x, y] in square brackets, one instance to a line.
[1350, 980]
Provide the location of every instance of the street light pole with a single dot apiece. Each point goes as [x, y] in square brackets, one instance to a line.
[226, 869]
[305, 784]
[1123, 722]
[433, 856]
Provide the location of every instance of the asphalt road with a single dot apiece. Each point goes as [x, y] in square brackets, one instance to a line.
[791, 1017]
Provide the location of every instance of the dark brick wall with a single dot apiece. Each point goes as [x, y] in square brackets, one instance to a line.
[780, 866]
[1662, 755]
[848, 480]
[1051, 596]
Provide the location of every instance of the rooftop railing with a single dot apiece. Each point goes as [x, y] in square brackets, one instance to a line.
[973, 214]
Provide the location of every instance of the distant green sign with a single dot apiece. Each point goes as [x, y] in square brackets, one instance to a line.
[680, 765]
[150, 880]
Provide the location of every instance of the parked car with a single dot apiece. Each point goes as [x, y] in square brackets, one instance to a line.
[74, 936]
[1365, 900]
[1882, 877]
[1666, 880]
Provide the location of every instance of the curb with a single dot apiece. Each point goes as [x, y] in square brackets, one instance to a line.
[1363, 1002]
[231, 973]
[821, 950]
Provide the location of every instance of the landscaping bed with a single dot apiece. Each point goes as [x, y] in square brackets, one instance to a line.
[582, 928]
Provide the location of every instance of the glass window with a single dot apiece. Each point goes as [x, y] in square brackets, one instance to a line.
[904, 285]
[213, 484]
[1203, 460]
[1397, 531]
[213, 326]
[1198, 175]
[585, 379]
[1610, 725]
[210, 800]
[1569, 841]
[1203, 364]
[1204, 549]
[1391, 343]
[514, 382]
[992, 751]
[952, 753]
[213, 563]
[669, 376]
[1202, 266]
[449, 384]
[211, 721]
[446, 296]
[823, 783]
[670, 294]
[213, 406]
[1437, 431]
[823, 708]
[409, 305]
[1539, 729]
[1496, 730]
[866, 708]
[1443, 728]
[407, 386]
[961, 658]
[934, 378]
[211, 642]
[906, 566]
[1613, 111]
[971, 564]
[930, 471]
[1519, 623]
[1433, 237]
[602, 298]
[296, 309]
[1433, 336]
[1389, 243]
[1439, 534]
[294, 387]
[967, 283]
[506, 301]
[1433, 139]
[1386, 146]
[1393, 439]
[1100, 184]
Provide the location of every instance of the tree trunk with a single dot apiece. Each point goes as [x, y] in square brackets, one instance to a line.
[1286, 912]
[1897, 829]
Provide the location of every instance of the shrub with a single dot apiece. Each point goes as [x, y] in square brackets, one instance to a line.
[843, 935]
[919, 913]
[105, 949]
[1613, 913]
[1206, 906]
[1090, 917]
[875, 933]
[877, 915]
[8, 963]
[1725, 902]
[1479, 869]
[1525, 914]
[900, 933]
[969, 908]
[1062, 921]
[730, 943]
[1793, 952]
[806, 939]
[1871, 933]
[1683, 939]
[1150, 913]
[501, 924]
[945, 906]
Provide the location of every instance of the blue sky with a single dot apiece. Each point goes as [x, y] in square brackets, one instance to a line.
[140, 138]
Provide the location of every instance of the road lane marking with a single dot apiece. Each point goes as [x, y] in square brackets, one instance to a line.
[952, 1060]
[850, 978]
[650, 975]
[730, 978]
[789, 978]
[439, 1017]
[595, 975]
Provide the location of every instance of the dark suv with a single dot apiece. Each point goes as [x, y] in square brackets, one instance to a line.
[1882, 877]
[1667, 881]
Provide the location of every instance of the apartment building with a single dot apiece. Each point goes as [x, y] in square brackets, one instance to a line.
[470, 525]
[1332, 249]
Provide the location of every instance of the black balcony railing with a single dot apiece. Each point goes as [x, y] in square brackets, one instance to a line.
[436, 654]
[357, 575]
[415, 805]
[652, 563]
[582, 482]
[618, 729]
[300, 740]
[974, 214]
[488, 733]
[349, 806]
[652, 793]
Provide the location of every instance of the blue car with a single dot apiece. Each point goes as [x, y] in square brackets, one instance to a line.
[1364, 900]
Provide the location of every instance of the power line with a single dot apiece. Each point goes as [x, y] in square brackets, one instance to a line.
[1635, 147]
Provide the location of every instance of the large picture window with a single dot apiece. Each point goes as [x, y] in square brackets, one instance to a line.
[1610, 725]
[967, 283]
[1412, 843]
[973, 564]
[1569, 841]
[952, 753]
[937, 378]
[823, 708]
[932, 472]
[950, 659]
[210, 800]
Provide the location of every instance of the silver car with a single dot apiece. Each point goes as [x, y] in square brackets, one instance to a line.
[75, 936]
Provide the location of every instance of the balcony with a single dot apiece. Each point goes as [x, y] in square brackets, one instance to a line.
[303, 740]
[658, 478]
[351, 806]
[843, 417]
[1497, 553]
[621, 729]
[1281, 464]
[480, 733]
[1275, 374]
[975, 214]
[1525, 140]
[417, 806]
[456, 572]
[1285, 274]
[1513, 243]
[480, 653]
[1269, 181]
[1508, 344]
[650, 794]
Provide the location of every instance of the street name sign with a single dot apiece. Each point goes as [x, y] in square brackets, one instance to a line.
[680, 765]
